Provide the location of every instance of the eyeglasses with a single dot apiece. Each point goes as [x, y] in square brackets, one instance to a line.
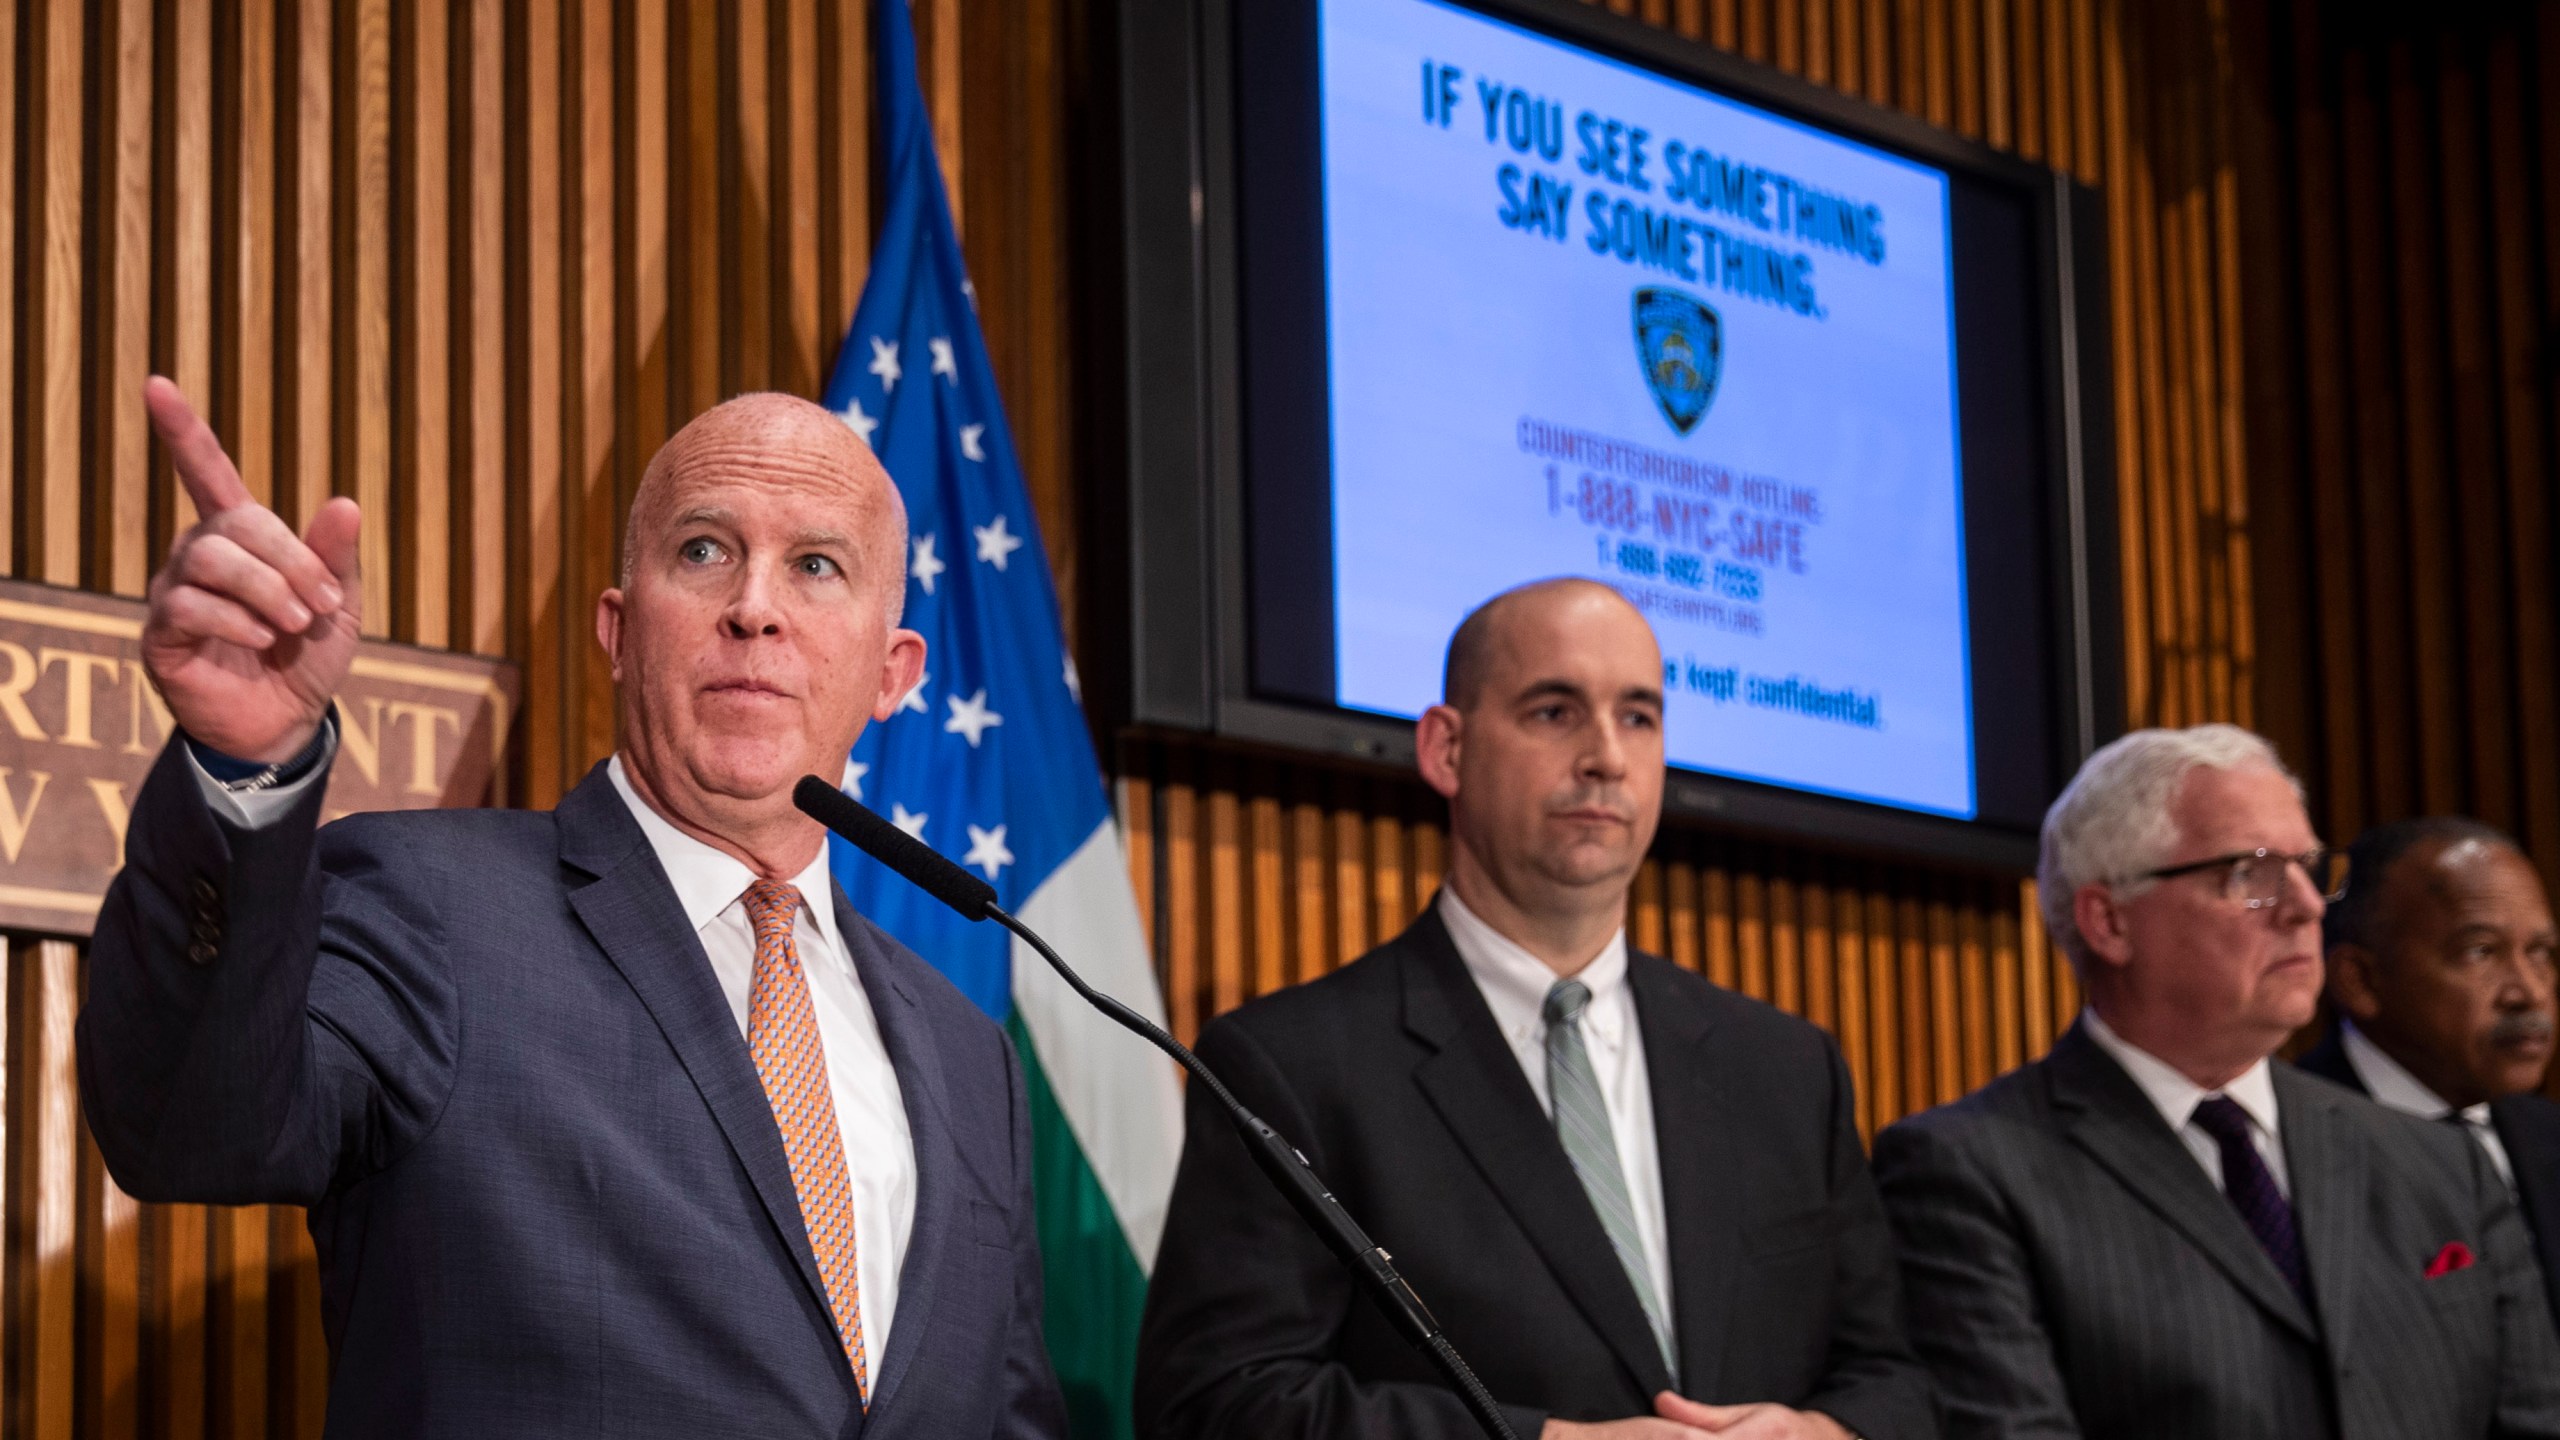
[2257, 877]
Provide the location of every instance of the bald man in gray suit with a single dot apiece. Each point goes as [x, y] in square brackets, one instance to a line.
[2157, 1230]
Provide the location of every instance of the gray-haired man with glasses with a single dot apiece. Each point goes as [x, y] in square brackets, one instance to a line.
[2157, 1230]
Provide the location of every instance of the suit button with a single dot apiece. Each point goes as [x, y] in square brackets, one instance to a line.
[201, 953]
[205, 893]
[206, 932]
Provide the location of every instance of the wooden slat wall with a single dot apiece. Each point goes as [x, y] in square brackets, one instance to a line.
[468, 262]
[2403, 276]
[471, 260]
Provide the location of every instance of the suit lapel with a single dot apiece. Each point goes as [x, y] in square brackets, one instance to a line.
[1473, 1080]
[917, 1059]
[1694, 1133]
[633, 914]
[2529, 1126]
[2324, 1156]
[2109, 1117]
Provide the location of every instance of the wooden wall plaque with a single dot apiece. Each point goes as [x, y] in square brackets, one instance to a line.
[80, 727]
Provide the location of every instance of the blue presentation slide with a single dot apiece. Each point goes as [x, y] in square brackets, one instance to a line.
[1583, 320]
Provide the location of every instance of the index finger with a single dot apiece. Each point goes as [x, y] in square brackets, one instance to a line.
[202, 465]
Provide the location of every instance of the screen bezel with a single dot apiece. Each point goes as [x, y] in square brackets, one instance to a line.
[1219, 697]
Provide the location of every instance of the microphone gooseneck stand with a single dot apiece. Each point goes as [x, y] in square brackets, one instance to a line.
[974, 899]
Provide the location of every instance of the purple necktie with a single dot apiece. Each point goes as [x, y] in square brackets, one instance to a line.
[2252, 1188]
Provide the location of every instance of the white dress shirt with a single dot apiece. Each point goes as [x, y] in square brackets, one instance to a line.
[2177, 1097]
[2390, 1083]
[1515, 984]
[871, 1115]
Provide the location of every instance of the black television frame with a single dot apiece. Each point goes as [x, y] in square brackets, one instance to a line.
[1181, 581]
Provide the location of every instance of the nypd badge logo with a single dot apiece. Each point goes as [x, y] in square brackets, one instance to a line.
[1680, 343]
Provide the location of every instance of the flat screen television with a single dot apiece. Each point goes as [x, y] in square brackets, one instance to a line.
[1427, 298]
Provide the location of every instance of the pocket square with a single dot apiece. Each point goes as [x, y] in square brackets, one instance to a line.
[2454, 1256]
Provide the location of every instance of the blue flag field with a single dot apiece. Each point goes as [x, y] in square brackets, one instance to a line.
[988, 761]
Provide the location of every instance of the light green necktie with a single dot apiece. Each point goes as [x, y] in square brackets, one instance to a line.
[1582, 1122]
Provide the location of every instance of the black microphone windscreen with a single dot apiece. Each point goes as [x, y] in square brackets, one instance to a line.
[920, 863]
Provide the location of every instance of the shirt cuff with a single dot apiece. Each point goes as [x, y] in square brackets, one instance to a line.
[257, 809]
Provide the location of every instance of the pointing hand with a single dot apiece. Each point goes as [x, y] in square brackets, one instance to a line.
[251, 628]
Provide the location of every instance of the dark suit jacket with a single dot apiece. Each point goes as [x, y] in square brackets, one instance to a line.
[549, 1194]
[2528, 1125]
[2072, 1270]
[1392, 1078]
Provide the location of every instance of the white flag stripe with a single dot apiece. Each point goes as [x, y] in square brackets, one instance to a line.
[1119, 1094]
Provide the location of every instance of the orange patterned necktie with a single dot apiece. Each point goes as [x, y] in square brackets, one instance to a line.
[782, 1034]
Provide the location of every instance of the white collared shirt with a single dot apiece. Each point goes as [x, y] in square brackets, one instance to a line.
[1515, 984]
[871, 1114]
[2390, 1083]
[2176, 1097]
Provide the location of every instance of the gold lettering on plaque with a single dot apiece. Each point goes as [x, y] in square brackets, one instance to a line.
[423, 720]
[65, 727]
[113, 805]
[13, 691]
[14, 821]
[79, 668]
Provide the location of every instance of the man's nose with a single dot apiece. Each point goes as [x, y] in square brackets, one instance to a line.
[2302, 902]
[1605, 758]
[754, 610]
[2524, 981]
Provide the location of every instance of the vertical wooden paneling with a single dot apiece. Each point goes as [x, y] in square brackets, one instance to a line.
[1855, 1032]
[484, 276]
[243, 311]
[361, 402]
[304, 469]
[1178, 939]
[110, 1244]
[56, 285]
[2409, 280]
[591, 505]
[642, 166]
[12, 473]
[45, 1188]
[237, 1315]
[419, 253]
[422, 418]
[120, 495]
[534, 439]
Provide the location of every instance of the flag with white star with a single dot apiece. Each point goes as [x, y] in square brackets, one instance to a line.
[988, 761]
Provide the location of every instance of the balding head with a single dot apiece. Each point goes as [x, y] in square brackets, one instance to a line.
[755, 631]
[1549, 749]
[1493, 625]
[792, 435]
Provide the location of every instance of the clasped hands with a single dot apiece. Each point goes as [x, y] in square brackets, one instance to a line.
[1676, 1418]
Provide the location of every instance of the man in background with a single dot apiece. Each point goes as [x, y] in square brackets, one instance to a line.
[1623, 1190]
[2154, 1230]
[2440, 969]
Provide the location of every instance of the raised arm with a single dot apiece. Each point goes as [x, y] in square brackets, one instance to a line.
[202, 1072]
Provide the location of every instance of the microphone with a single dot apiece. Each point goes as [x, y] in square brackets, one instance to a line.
[930, 871]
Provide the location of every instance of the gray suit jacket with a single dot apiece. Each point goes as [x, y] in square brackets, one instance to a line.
[2071, 1270]
[549, 1194]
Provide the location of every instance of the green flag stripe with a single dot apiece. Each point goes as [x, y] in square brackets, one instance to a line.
[1094, 1288]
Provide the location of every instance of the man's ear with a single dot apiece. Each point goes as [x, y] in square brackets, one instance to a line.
[2354, 981]
[2100, 918]
[1435, 748]
[900, 670]
[609, 628]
